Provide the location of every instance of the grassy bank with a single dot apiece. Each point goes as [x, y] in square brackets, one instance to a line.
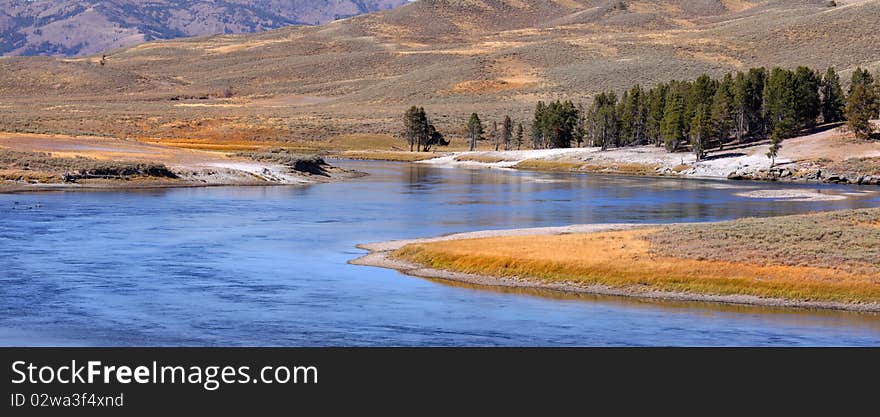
[399, 156]
[44, 168]
[832, 257]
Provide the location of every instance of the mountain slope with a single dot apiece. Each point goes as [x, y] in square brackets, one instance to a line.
[82, 27]
[495, 57]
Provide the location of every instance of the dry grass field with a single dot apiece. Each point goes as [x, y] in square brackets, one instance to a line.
[818, 257]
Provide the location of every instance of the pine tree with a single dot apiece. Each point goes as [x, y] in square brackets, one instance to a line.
[560, 123]
[740, 105]
[656, 107]
[701, 130]
[861, 107]
[580, 129]
[781, 103]
[749, 103]
[420, 133]
[833, 102]
[603, 122]
[722, 110]
[633, 115]
[432, 137]
[625, 122]
[860, 76]
[415, 123]
[674, 126]
[475, 130]
[808, 104]
[775, 144]
[538, 123]
[701, 93]
[506, 133]
[518, 136]
[494, 136]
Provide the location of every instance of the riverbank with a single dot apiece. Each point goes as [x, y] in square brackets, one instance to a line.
[817, 261]
[828, 156]
[30, 162]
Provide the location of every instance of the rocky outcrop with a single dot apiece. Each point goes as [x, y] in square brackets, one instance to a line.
[805, 175]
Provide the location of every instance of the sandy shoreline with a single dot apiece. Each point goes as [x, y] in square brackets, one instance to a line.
[133, 185]
[379, 256]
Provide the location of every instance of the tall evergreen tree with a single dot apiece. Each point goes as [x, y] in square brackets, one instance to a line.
[700, 131]
[862, 106]
[860, 76]
[674, 127]
[633, 114]
[506, 133]
[753, 86]
[602, 122]
[580, 129]
[518, 136]
[415, 124]
[419, 132]
[475, 130]
[655, 109]
[740, 105]
[722, 110]
[538, 126]
[561, 122]
[808, 104]
[781, 104]
[833, 101]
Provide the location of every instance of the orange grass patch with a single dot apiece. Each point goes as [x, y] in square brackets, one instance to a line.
[624, 259]
[388, 156]
[542, 165]
[486, 159]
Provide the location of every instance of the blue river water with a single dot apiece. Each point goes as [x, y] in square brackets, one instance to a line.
[267, 266]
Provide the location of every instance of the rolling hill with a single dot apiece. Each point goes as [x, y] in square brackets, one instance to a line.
[82, 27]
[356, 75]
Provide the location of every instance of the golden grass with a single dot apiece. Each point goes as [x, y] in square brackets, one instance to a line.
[29, 176]
[631, 168]
[485, 159]
[624, 259]
[554, 166]
[681, 167]
[387, 156]
[579, 166]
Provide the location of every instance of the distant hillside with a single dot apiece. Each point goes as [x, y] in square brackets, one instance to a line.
[454, 57]
[82, 27]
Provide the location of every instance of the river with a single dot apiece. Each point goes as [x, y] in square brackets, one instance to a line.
[267, 266]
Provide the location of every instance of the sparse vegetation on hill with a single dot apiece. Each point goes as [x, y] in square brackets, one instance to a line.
[356, 76]
[76, 27]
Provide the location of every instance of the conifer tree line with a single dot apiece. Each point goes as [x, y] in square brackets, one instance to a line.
[708, 113]
[506, 137]
[696, 115]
